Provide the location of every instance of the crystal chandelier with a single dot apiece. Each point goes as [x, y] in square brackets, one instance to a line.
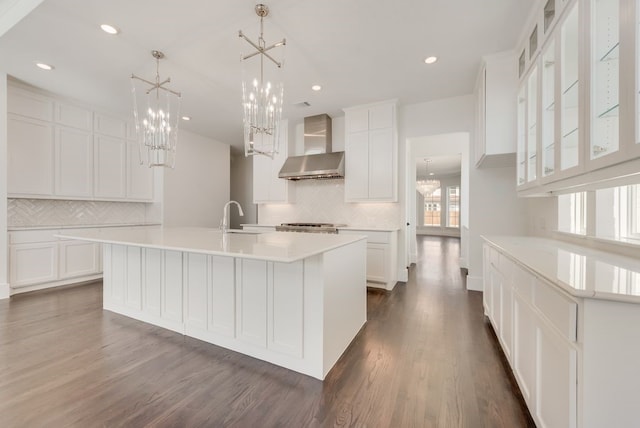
[262, 93]
[426, 186]
[156, 110]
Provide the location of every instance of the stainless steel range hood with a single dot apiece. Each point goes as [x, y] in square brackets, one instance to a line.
[318, 160]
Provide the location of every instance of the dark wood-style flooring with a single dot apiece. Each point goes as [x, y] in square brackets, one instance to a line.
[425, 358]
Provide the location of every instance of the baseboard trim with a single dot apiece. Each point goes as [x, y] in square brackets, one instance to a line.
[474, 283]
[4, 291]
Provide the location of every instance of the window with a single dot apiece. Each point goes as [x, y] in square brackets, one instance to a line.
[572, 213]
[453, 206]
[618, 213]
[432, 208]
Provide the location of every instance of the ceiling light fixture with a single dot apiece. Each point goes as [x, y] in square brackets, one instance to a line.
[156, 111]
[44, 66]
[316, 87]
[109, 29]
[186, 118]
[262, 93]
[426, 187]
[430, 59]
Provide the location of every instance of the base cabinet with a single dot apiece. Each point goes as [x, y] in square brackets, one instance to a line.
[300, 315]
[382, 259]
[574, 358]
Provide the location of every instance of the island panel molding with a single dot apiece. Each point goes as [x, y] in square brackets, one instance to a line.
[299, 308]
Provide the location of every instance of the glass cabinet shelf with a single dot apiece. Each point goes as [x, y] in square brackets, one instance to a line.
[612, 54]
[550, 107]
[613, 111]
[568, 134]
[605, 77]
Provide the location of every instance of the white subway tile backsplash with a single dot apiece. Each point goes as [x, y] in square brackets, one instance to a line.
[49, 212]
[322, 201]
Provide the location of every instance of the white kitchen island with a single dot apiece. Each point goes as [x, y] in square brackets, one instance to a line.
[293, 299]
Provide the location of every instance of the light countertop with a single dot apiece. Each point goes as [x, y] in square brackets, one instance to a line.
[272, 246]
[77, 226]
[580, 271]
[363, 228]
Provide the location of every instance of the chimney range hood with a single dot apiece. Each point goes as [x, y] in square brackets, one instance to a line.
[318, 160]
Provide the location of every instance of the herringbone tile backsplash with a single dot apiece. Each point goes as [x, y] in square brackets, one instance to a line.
[46, 212]
[322, 201]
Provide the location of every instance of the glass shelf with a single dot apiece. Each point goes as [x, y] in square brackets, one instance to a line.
[611, 54]
[550, 147]
[570, 132]
[551, 106]
[573, 85]
[610, 112]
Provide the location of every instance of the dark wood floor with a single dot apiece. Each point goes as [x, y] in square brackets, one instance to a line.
[425, 358]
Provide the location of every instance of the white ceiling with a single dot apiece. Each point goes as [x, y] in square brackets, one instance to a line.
[359, 51]
[448, 165]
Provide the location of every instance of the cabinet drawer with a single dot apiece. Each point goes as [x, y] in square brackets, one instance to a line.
[32, 236]
[559, 310]
[505, 266]
[523, 283]
[495, 257]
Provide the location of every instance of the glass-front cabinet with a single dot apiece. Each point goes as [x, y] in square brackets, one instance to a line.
[521, 154]
[604, 140]
[532, 124]
[570, 139]
[548, 83]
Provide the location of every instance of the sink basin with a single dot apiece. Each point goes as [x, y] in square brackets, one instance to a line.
[245, 232]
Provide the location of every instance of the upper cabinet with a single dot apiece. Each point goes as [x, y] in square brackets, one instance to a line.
[267, 187]
[371, 153]
[496, 88]
[584, 97]
[59, 150]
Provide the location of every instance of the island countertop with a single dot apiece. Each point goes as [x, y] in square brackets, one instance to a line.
[284, 247]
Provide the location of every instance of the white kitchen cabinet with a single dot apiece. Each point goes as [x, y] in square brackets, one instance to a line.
[78, 258]
[496, 88]
[382, 257]
[556, 379]
[530, 329]
[73, 162]
[110, 167]
[371, 153]
[29, 104]
[29, 156]
[72, 116]
[33, 263]
[139, 176]
[61, 150]
[267, 187]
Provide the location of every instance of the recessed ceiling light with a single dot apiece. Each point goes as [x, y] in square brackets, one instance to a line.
[430, 59]
[432, 173]
[109, 29]
[316, 87]
[187, 118]
[44, 66]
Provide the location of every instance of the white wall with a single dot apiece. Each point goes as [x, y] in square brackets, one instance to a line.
[242, 188]
[4, 279]
[197, 189]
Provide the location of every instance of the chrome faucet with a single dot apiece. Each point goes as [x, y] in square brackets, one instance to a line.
[225, 219]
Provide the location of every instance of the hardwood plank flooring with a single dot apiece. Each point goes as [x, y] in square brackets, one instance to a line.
[425, 358]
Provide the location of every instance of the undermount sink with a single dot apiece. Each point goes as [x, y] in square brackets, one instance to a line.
[246, 232]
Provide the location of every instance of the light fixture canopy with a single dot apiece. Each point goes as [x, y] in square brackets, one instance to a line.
[156, 110]
[426, 187]
[262, 92]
